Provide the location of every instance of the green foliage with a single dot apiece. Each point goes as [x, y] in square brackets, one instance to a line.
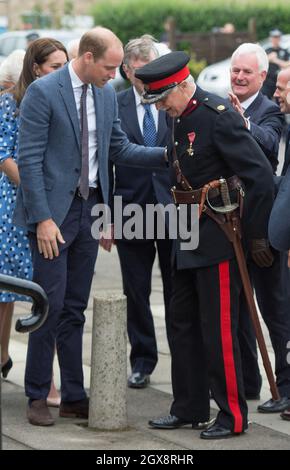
[132, 18]
[196, 66]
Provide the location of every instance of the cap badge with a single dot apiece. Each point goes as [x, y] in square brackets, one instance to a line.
[191, 138]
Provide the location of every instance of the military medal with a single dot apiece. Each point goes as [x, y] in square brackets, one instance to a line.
[191, 138]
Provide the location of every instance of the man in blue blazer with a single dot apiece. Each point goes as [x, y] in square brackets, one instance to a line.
[69, 128]
[142, 186]
[272, 285]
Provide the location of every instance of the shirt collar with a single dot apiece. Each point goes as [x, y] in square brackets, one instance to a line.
[75, 80]
[245, 104]
[137, 97]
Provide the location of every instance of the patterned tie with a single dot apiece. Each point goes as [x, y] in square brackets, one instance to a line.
[84, 180]
[149, 129]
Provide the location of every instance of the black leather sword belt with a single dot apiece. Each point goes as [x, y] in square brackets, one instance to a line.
[194, 196]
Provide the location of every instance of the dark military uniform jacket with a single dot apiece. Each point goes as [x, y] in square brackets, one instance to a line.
[222, 147]
[269, 85]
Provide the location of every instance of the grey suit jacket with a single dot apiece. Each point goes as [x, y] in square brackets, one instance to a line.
[49, 155]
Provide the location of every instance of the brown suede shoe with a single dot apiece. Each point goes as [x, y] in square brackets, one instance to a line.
[286, 414]
[74, 409]
[38, 413]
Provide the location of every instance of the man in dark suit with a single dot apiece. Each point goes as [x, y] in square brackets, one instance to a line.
[279, 224]
[272, 285]
[69, 128]
[143, 187]
[209, 140]
[282, 97]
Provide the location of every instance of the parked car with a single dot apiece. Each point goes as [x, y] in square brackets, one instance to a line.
[216, 77]
[20, 40]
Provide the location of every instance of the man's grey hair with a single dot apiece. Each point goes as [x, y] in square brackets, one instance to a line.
[73, 48]
[140, 49]
[190, 80]
[251, 48]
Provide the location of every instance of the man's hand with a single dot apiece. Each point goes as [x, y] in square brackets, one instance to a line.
[261, 253]
[107, 238]
[48, 234]
[236, 104]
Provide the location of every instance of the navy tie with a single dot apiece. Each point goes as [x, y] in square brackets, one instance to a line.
[149, 129]
[84, 180]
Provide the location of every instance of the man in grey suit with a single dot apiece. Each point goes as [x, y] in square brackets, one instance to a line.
[264, 120]
[69, 128]
[146, 126]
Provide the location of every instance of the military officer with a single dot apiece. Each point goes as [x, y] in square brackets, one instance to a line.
[209, 141]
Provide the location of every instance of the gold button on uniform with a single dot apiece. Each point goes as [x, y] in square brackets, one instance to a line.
[221, 107]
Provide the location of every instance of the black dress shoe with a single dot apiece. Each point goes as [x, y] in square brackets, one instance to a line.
[173, 422]
[217, 431]
[138, 380]
[6, 368]
[274, 406]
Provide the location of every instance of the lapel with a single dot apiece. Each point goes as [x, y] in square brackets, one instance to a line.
[66, 91]
[287, 153]
[254, 107]
[99, 110]
[128, 115]
[162, 128]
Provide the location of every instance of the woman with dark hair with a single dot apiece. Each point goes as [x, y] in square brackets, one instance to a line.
[43, 56]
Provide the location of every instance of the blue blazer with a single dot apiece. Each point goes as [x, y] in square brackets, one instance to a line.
[266, 122]
[133, 184]
[49, 155]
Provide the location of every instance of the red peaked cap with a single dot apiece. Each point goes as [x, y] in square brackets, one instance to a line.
[162, 74]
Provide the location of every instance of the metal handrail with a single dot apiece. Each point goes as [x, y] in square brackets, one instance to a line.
[39, 308]
[39, 311]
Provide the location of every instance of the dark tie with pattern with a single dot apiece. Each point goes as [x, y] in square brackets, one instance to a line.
[84, 180]
[149, 129]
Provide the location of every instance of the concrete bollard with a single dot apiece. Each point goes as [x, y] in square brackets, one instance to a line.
[108, 405]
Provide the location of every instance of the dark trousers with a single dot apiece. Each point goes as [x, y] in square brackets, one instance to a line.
[272, 287]
[136, 259]
[205, 349]
[66, 280]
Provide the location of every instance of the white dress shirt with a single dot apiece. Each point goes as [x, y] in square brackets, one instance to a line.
[92, 124]
[141, 111]
[245, 104]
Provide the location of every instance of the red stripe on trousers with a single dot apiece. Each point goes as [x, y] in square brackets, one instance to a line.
[227, 346]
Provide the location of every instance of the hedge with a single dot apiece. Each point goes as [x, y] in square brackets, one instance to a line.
[132, 18]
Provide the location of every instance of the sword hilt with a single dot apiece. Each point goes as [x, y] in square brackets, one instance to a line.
[225, 192]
